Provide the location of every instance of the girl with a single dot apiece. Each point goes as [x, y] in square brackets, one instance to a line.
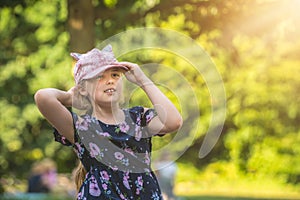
[113, 144]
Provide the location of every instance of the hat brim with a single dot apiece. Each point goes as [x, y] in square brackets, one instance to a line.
[98, 71]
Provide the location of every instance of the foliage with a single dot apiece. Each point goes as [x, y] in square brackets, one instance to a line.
[33, 55]
[254, 44]
[263, 135]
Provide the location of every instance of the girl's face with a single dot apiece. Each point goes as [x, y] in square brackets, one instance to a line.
[107, 87]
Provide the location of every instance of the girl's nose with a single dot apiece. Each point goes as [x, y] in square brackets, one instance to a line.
[110, 81]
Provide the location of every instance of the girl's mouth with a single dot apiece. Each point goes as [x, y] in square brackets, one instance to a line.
[110, 90]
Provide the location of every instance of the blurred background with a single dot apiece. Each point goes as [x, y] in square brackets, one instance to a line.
[255, 45]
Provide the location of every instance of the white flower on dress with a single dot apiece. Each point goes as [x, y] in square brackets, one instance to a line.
[155, 196]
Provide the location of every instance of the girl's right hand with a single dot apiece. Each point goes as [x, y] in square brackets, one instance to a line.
[135, 74]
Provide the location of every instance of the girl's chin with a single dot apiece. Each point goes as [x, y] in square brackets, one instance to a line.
[110, 101]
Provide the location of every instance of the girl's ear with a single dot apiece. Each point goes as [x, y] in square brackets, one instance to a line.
[82, 89]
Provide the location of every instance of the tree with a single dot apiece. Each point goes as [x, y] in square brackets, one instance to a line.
[81, 25]
[37, 36]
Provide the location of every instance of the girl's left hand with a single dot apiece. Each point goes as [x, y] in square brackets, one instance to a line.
[135, 74]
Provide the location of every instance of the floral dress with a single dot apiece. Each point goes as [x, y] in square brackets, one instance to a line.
[116, 157]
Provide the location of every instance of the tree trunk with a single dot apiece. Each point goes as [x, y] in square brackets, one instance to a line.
[81, 25]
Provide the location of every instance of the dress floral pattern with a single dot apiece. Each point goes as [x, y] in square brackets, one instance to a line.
[116, 157]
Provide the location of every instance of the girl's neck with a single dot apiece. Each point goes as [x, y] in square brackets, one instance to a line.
[109, 115]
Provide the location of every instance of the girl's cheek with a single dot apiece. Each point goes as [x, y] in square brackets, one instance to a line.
[120, 86]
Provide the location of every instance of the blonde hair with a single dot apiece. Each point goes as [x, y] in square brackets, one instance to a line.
[79, 175]
[83, 105]
[81, 102]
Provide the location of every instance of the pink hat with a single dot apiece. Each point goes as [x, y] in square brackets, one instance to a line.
[92, 63]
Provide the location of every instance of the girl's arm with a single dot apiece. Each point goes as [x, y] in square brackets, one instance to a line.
[52, 104]
[169, 119]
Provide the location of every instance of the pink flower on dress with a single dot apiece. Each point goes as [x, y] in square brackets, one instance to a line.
[93, 187]
[124, 127]
[139, 184]
[122, 196]
[114, 168]
[63, 140]
[104, 134]
[83, 124]
[104, 175]
[140, 181]
[79, 150]
[78, 146]
[125, 180]
[119, 155]
[138, 120]
[94, 150]
[104, 186]
[147, 158]
[138, 133]
[129, 150]
[80, 195]
[149, 116]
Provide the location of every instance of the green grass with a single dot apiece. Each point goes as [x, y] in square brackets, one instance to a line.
[222, 181]
[222, 198]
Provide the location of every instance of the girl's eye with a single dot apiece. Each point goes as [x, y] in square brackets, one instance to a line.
[115, 75]
[99, 77]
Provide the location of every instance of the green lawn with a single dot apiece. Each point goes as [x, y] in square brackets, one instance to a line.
[224, 182]
[227, 198]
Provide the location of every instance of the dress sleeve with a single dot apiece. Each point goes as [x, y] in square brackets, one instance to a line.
[148, 116]
[140, 117]
[62, 139]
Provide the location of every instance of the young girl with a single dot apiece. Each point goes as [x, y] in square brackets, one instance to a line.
[113, 144]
